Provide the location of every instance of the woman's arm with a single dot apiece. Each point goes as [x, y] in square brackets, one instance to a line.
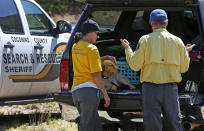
[99, 83]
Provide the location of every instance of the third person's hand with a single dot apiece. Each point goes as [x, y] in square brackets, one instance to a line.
[189, 47]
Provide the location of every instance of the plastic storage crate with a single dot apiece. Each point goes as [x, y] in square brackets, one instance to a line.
[125, 70]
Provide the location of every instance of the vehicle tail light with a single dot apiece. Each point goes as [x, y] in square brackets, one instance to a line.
[64, 75]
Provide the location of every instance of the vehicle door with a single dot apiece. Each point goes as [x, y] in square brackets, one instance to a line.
[15, 51]
[201, 5]
[46, 62]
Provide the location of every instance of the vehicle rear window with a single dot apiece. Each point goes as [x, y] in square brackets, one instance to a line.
[107, 20]
[183, 24]
[134, 24]
[10, 22]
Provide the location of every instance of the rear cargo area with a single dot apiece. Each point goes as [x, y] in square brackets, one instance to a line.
[131, 25]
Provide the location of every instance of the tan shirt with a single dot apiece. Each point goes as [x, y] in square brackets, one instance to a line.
[160, 56]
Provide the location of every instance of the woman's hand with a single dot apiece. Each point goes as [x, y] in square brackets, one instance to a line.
[107, 100]
[99, 82]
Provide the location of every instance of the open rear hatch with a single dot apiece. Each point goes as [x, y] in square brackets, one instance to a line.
[142, 2]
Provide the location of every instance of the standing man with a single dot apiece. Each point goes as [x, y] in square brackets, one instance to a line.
[87, 82]
[161, 57]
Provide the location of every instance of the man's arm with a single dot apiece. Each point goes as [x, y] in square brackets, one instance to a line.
[99, 83]
[134, 59]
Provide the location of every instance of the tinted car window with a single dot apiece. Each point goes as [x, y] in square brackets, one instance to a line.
[38, 23]
[111, 49]
[9, 18]
[185, 27]
[139, 23]
[201, 5]
[181, 23]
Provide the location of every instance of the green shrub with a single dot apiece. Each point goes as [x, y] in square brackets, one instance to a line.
[54, 6]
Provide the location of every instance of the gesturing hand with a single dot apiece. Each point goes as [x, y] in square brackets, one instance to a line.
[125, 43]
[189, 47]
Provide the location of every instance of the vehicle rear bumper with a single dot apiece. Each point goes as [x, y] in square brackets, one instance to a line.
[123, 100]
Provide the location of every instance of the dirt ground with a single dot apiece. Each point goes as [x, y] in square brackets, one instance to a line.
[37, 117]
[30, 117]
[47, 117]
[66, 16]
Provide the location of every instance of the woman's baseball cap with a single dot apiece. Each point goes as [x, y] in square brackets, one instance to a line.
[89, 26]
[158, 15]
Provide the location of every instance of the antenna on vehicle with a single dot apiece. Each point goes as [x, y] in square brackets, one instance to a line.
[86, 12]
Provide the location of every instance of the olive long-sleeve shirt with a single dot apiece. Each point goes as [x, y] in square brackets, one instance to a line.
[160, 56]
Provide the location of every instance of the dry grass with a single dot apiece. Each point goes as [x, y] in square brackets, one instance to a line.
[51, 125]
[33, 123]
[66, 16]
[47, 122]
[30, 109]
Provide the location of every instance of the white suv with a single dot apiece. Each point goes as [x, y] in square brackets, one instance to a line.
[31, 47]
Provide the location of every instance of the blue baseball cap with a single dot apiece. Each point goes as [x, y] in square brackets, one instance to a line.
[158, 14]
[89, 26]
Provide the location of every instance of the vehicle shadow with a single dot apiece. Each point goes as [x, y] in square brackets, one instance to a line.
[121, 125]
[125, 124]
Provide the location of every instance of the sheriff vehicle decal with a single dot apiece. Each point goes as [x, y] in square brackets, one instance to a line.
[20, 39]
[48, 73]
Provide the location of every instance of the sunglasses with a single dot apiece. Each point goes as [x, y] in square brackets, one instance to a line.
[97, 32]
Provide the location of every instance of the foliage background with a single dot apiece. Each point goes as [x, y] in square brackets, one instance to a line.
[55, 6]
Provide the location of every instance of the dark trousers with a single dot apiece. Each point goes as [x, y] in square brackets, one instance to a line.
[161, 99]
[86, 102]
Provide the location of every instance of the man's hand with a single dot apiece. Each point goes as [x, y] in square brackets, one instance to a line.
[125, 43]
[107, 100]
[189, 47]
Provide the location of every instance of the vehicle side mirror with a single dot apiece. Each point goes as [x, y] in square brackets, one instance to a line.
[63, 27]
[1, 31]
